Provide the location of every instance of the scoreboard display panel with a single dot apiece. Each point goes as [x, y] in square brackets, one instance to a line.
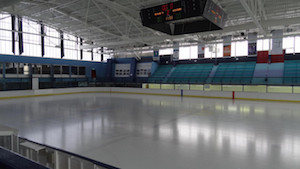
[214, 13]
[171, 12]
[184, 16]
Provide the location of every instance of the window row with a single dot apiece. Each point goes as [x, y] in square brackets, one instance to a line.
[32, 41]
[238, 48]
[40, 70]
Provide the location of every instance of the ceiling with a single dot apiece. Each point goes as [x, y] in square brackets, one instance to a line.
[116, 23]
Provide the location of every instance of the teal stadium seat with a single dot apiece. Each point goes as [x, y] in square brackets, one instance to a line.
[160, 74]
[190, 73]
[234, 73]
[291, 75]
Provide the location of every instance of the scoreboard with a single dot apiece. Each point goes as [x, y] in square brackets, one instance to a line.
[214, 13]
[171, 11]
[159, 17]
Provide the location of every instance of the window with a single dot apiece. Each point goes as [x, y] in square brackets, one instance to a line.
[297, 44]
[81, 70]
[65, 70]
[168, 51]
[213, 50]
[190, 52]
[264, 45]
[239, 48]
[11, 68]
[5, 34]
[87, 55]
[52, 43]
[74, 70]
[46, 69]
[57, 70]
[36, 69]
[71, 47]
[107, 56]
[289, 44]
[21, 68]
[97, 55]
[32, 38]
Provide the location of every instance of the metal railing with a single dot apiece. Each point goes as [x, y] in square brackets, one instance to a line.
[226, 88]
[47, 156]
[245, 80]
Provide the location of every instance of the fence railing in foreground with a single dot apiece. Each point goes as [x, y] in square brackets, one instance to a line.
[47, 156]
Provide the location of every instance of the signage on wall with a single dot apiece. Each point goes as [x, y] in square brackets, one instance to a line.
[156, 54]
[175, 51]
[227, 50]
[122, 70]
[252, 50]
[201, 50]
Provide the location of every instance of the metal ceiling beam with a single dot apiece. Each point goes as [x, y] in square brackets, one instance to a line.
[124, 11]
[7, 3]
[84, 22]
[226, 30]
[252, 15]
[262, 9]
[108, 18]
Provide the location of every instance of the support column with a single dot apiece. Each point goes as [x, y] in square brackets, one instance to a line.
[175, 51]
[20, 35]
[13, 28]
[43, 39]
[62, 48]
[277, 42]
[102, 55]
[252, 44]
[81, 51]
[227, 46]
[277, 54]
[92, 52]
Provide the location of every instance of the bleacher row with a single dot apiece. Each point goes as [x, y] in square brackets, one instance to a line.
[291, 74]
[225, 73]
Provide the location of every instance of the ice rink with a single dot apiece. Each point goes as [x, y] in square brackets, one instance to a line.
[157, 132]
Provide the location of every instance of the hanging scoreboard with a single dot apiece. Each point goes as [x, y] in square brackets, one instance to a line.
[171, 12]
[182, 14]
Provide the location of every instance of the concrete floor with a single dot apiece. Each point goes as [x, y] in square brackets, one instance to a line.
[153, 132]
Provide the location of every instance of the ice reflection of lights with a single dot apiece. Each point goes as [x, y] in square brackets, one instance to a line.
[206, 132]
[261, 146]
[290, 147]
[238, 140]
[245, 109]
[219, 107]
[188, 133]
[232, 109]
[165, 132]
[259, 110]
